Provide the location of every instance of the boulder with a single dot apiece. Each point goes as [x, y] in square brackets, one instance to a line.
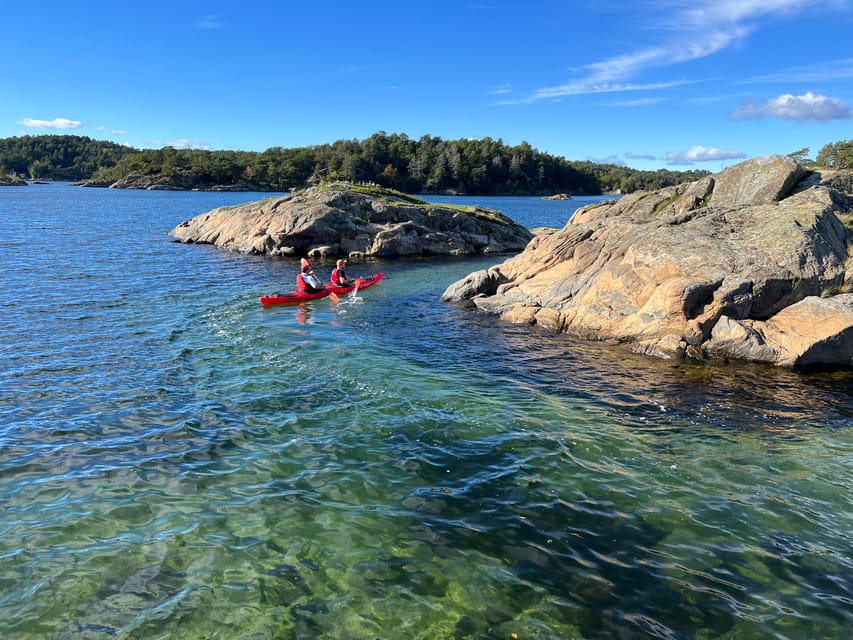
[334, 220]
[763, 180]
[738, 266]
[812, 332]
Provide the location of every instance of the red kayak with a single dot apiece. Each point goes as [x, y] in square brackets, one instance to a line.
[292, 297]
[295, 297]
[361, 283]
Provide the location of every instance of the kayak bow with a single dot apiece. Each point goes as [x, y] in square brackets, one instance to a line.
[361, 283]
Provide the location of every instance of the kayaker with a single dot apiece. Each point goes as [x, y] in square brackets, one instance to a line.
[339, 276]
[306, 281]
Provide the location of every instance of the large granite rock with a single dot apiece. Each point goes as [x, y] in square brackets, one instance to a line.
[740, 265]
[333, 221]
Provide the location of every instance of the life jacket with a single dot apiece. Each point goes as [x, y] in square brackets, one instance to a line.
[301, 285]
[336, 276]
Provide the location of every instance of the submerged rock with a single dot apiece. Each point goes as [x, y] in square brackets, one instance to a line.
[334, 220]
[740, 265]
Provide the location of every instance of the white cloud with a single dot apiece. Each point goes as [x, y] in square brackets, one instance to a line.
[56, 123]
[690, 33]
[808, 107]
[699, 153]
[639, 156]
[183, 143]
[608, 160]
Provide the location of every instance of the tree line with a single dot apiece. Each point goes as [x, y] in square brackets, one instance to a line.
[427, 165]
[58, 157]
[836, 155]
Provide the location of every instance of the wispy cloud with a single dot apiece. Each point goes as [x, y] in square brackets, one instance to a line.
[589, 86]
[501, 90]
[641, 102]
[823, 72]
[639, 156]
[689, 33]
[209, 22]
[608, 160]
[808, 107]
[56, 123]
[699, 153]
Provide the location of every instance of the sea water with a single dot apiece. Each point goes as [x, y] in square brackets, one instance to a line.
[177, 461]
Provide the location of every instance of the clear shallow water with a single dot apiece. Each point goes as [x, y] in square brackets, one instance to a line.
[178, 462]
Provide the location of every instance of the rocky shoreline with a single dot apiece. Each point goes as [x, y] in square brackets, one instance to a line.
[751, 264]
[183, 181]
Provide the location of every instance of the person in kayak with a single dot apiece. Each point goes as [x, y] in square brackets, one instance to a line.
[306, 281]
[339, 276]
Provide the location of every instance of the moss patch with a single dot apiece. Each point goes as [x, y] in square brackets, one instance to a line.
[370, 189]
[846, 220]
[663, 204]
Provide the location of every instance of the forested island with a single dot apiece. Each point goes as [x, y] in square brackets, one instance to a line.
[428, 165]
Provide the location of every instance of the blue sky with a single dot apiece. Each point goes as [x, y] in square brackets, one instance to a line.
[671, 83]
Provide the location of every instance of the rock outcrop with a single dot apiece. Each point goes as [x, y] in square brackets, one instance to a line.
[741, 265]
[12, 181]
[337, 221]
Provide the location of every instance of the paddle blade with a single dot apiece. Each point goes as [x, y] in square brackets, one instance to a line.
[334, 297]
